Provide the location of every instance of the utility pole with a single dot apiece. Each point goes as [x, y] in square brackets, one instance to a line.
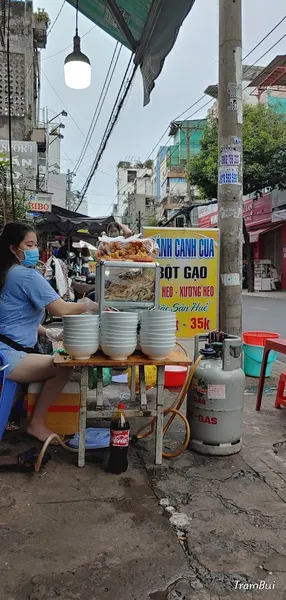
[68, 194]
[230, 189]
[188, 162]
[139, 221]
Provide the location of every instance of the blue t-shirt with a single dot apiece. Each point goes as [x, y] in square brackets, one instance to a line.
[22, 300]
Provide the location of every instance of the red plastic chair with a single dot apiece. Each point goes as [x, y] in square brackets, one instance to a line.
[280, 397]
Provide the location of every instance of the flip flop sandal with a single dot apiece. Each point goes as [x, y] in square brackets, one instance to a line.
[11, 426]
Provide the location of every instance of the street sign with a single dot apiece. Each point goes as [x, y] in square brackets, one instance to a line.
[189, 284]
[39, 204]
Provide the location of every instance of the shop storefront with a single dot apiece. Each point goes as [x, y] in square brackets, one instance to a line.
[268, 238]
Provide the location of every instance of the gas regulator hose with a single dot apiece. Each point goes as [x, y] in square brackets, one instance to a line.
[173, 410]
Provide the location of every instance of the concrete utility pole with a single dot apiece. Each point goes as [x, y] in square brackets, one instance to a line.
[230, 191]
[188, 142]
[68, 192]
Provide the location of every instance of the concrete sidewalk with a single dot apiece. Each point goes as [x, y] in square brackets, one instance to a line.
[77, 534]
[281, 295]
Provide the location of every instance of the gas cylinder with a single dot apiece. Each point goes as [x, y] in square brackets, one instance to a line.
[215, 397]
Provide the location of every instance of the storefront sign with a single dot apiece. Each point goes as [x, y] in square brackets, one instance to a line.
[24, 159]
[189, 260]
[38, 204]
[256, 211]
[207, 216]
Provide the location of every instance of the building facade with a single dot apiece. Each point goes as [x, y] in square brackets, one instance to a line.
[25, 43]
[265, 219]
[171, 185]
[134, 179]
[36, 135]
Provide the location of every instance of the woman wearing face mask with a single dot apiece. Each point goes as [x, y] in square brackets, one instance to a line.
[24, 294]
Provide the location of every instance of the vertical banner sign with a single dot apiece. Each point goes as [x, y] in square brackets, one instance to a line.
[189, 261]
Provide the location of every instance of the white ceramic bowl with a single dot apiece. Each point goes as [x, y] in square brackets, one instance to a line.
[158, 332]
[157, 314]
[118, 342]
[119, 317]
[119, 314]
[158, 352]
[118, 353]
[158, 325]
[71, 339]
[81, 352]
[118, 338]
[81, 318]
[83, 325]
[153, 339]
[118, 334]
[81, 330]
[170, 325]
[119, 325]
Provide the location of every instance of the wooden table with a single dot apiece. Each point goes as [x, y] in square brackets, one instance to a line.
[279, 345]
[99, 361]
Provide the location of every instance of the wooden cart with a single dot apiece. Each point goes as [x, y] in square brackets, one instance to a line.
[99, 361]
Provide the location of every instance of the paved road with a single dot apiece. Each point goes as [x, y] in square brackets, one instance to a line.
[264, 314]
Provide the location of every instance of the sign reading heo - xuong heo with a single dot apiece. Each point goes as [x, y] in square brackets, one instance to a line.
[189, 264]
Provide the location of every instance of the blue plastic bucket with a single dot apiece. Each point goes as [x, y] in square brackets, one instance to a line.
[252, 362]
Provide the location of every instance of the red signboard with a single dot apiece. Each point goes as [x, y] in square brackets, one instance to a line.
[256, 212]
[207, 216]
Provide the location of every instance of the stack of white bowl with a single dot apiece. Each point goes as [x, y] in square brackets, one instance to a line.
[119, 334]
[81, 335]
[157, 333]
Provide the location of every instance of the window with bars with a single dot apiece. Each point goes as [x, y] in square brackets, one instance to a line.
[17, 84]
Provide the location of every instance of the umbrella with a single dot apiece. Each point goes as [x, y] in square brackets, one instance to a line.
[68, 223]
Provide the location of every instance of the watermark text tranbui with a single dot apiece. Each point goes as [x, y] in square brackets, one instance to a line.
[248, 587]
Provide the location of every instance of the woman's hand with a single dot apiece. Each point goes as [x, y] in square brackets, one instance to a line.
[42, 332]
[54, 335]
[60, 308]
[90, 306]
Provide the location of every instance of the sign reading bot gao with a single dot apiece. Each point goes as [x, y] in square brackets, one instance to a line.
[189, 261]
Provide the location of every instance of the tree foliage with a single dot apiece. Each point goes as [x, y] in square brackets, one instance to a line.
[20, 199]
[264, 153]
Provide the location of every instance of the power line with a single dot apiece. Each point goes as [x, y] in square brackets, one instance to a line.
[195, 128]
[119, 102]
[68, 111]
[153, 149]
[53, 24]
[48, 33]
[267, 51]
[99, 106]
[265, 37]
[69, 46]
[118, 105]
[211, 100]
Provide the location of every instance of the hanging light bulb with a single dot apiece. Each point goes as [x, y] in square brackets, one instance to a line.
[77, 67]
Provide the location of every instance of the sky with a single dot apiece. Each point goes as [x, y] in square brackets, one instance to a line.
[191, 66]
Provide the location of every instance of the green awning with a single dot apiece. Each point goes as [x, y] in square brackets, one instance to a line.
[149, 28]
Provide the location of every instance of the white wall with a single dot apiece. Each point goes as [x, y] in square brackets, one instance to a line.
[57, 185]
[141, 185]
[177, 186]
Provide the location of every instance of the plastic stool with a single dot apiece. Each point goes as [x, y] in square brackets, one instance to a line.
[7, 395]
[280, 398]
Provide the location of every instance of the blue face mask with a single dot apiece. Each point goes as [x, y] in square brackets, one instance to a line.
[31, 257]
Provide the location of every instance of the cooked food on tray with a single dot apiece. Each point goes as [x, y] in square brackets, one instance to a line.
[131, 286]
[132, 249]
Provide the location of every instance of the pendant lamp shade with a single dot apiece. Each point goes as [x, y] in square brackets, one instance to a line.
[77, 68]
